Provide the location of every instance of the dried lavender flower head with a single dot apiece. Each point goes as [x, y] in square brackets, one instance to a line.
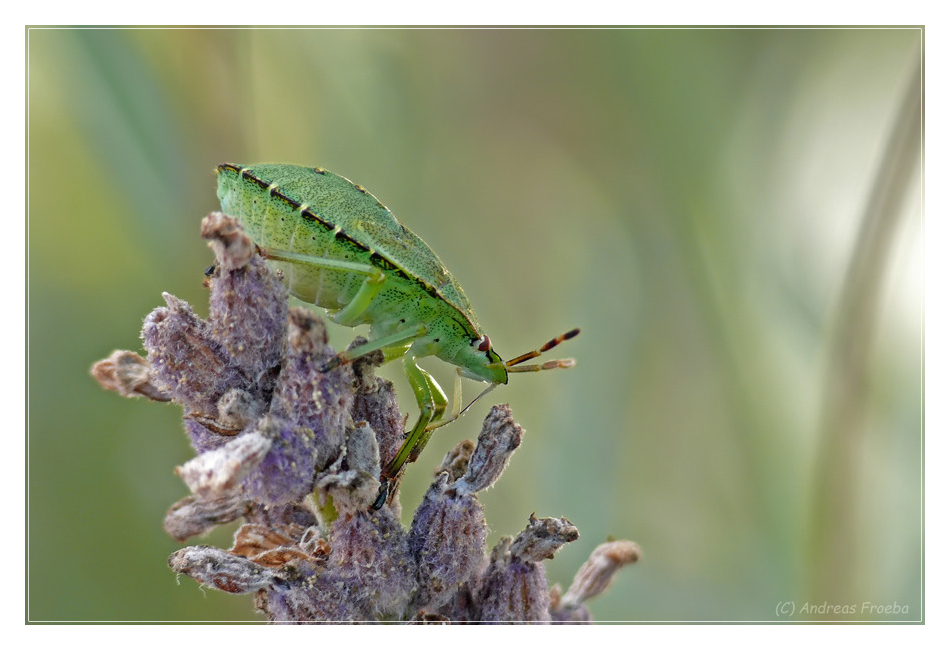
[297, 453]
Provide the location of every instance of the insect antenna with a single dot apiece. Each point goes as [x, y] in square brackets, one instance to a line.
[547, 365]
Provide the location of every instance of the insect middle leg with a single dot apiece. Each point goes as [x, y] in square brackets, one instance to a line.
[353, 311]
[350, 314]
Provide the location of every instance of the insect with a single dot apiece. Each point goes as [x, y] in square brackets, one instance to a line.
[343, 250]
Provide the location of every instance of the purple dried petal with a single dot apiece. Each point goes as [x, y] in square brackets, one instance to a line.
[248, 318]
[369, 550]
[287, 471]
[513, 591]
[308, 398]
[306, 592]
[186, 363]
[447, 541]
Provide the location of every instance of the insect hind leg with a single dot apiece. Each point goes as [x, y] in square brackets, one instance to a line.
[350, 314]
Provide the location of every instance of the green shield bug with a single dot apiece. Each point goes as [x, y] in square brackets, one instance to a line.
[343, 250]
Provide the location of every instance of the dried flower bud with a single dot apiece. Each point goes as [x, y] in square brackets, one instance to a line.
[596, 574]
[186, 362]
[232, 248]
[362, 450]
[195, 515]
[369, 549]
[447, 541]
[219, 470]
[248, 314]
[287, 472]
[306, 591]
[237, 409]
[592, 579]
[515, 587]
[512, 591]
[308, 398]
[129, 375]
[542, 538]
[455, 462]
[375, 402]
[221, 570]
[498, 439]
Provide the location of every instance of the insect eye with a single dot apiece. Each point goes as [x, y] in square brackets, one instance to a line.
[484, 344]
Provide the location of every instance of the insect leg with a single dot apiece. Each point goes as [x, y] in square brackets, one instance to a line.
[457, 410]
[385, 343]
[438, 404]
[375, 278]
[432, 402]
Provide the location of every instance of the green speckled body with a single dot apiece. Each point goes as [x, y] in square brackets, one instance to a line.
[312, 211]
[341, 249]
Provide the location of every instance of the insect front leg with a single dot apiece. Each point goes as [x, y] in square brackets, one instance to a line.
[437, 402]
[457, 409]
[432, 403]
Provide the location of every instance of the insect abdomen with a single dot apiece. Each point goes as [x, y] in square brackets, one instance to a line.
[315, 212]
[279, 225]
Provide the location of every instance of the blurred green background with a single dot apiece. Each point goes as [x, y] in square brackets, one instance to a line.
[692, 199]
